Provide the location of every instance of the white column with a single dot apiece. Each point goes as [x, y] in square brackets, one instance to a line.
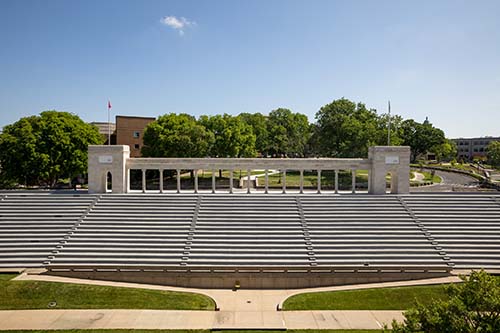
[213, 181]
[195, 181]
[336, 181]
[266, 185]
[127, 186]
[143, 180]
[353, 171]
[301, 181]
[319, 181]
[178, 176]
[161, 180]
[284, 181]
[231, 181]
[369, 180]
[248, 181]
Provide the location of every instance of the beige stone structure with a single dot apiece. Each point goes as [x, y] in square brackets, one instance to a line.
[116, 161]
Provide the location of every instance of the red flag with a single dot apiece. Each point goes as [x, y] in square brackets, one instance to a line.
[109, 105]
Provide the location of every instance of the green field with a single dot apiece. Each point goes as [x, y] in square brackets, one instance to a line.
[311, 179]
[38, 295]
[366, 299]
[191, 331]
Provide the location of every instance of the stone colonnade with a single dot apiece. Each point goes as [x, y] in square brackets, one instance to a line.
[247, 179]
[381, 160]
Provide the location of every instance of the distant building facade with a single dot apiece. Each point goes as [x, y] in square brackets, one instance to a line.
[469, 149]
[105, 129]
[130, 131]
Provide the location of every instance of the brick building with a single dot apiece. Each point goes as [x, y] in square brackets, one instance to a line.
[130, 131]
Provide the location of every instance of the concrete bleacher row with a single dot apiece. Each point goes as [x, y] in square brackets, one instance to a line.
[32, 226]
[466, 227]
[424, 230]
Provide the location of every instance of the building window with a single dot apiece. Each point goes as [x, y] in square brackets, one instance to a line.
[137, 134]
[136, 146]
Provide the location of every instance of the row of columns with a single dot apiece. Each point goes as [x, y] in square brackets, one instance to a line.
[266, 180]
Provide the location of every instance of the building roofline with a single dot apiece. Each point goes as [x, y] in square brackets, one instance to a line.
[138, 117]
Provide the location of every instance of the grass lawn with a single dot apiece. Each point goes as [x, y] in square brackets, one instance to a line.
[311, 179]
[428, 177]
[38, 294]
[400, 298]
[191, 331]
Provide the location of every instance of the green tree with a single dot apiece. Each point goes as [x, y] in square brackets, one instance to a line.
[176, 135]
[494, 153]
[420, 137]
[258, 122]
[233, 137]
[445, 151]
[288, 132]
[346, 129]
[473, 306]
[40, 150]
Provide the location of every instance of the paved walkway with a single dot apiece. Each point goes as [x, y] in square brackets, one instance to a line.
[159, 319]
[238, 310]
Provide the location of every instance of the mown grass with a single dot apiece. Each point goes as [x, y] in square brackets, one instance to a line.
[400, 298]
[189, 331]
[311, 179]
[429, 177]
[16, 295]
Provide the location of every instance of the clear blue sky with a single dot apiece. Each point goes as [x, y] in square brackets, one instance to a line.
[439, 59]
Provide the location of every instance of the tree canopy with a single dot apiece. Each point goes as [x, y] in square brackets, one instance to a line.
[288, 133]
[232, 136]
[258, 123]
[346, 129]
[176, 135]
[494, 153]
[421, 137]
[40, 150]
[473, 306]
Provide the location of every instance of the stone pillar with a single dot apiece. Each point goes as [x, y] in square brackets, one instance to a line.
[178, 177]
[231, 181]
[195, 181]
[143, 180]
[283, 184]
[213, 181]
[266, 181]
[161, 180]
[104, 159]
[319, 181]
[336, 181]
[248, 181]
[353, 173]
[392, 159]
[301, 181]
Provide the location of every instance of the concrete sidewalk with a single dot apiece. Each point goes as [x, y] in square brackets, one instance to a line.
[242, 309]
[159, 319]
[243, 300]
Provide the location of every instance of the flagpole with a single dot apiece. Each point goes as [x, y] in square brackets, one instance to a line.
[109, 127]
[389, 125]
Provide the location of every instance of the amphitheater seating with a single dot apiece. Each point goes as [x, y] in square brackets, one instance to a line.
[366, 230]
[248, 231]
[131, 230]
[33, 225]
[467, 227]
[256, 230]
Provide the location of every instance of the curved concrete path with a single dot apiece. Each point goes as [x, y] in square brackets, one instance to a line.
[242, 309]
